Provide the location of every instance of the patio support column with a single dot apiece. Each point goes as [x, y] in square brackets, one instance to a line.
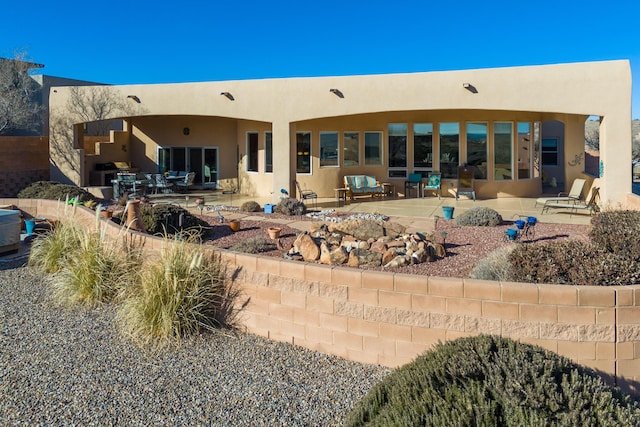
[615, 158]
[284, 159]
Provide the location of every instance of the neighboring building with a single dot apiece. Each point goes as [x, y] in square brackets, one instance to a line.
[262, 135]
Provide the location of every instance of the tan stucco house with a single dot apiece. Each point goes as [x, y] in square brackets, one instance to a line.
[514, 125]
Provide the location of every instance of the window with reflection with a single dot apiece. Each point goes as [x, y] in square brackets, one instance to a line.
[373, 148]
[252, 152]
[537, 135]
[397, 150]
[524, 150]
[502, 149]
[449, 149]
[550, 152]
[328, 149]
[268, 152]
[303, 152]
[351, 151]
[422, 148]
[477, 148]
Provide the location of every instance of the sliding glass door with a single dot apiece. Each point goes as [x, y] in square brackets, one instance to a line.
[201, 160]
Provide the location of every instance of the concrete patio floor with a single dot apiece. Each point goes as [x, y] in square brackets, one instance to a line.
[414, 213]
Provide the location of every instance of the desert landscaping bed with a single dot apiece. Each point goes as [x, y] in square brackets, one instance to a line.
[465, 245]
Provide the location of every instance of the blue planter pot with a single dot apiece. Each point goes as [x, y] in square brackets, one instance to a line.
[447, 212]
[531, 220]
[512, 233]
[520, 224]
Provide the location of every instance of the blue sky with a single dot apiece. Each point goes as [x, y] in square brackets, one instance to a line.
[198, 40]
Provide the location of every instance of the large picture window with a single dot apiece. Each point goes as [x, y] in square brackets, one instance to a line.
[397, 150]
[268, 152]
[303, 152]
[502, 143]
[328, 149]
[423, 148]
[373, 148]
[351, 141]
[252, 152]
[477, 148]
[449, 149]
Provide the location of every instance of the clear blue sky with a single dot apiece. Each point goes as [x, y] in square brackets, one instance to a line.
[198, 40]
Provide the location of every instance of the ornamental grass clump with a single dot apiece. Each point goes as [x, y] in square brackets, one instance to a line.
[50, 251]
[493, 381]
[96, 271]
[495, 266]
[183, 291]
[254, 245]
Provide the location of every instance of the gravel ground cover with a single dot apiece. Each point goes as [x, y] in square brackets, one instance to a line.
[465, 245]
[70, 366]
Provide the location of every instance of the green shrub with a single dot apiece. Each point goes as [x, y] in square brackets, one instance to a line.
[250, 206]
[254, 245]
[183, 292]
[52, 190]
[495, 266]
[479, 216]
[170, 219]
[290, 206]
[490, 381]
[572, 262]
[617, 232]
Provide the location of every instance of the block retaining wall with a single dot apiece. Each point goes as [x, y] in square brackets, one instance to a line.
[390, 318]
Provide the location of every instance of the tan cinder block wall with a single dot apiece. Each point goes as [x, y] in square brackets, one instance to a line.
[23, 160]
[390, 318]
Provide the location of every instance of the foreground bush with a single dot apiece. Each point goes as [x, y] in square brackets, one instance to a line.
[479, 216]
[52, 190]
[612, 257]
[492, 381]
[184, 291]
[617, 232]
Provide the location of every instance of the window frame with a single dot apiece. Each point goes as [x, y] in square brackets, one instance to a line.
[251, 159]
[380, 148]
[495, 151]
[549, 152]
[268, 152]
[453, 174]
[397, 171]
[422, 169]
[481, 172]
[344, 149]
[301, 153]
[337, 150]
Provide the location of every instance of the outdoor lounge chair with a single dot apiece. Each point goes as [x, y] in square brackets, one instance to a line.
[575, 194]
[575, 205]
[434, 181]
[307, 194]
[185, 184]
[465, 182]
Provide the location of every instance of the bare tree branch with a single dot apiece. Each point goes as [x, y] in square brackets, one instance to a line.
[18, 107]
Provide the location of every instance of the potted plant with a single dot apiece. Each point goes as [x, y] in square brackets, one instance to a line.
[274, 232]
[234, 225]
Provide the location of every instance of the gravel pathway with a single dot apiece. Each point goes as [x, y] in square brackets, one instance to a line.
[69, 366]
